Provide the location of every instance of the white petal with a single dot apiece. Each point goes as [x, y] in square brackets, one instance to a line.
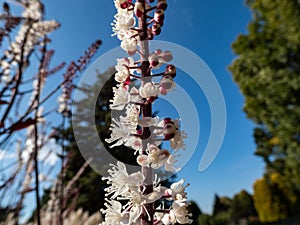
[142, 160]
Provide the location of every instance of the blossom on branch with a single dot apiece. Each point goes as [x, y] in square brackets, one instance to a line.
[135, 126]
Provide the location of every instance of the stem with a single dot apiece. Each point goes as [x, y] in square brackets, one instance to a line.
[146, 112]
[62, 177]
[36, 136]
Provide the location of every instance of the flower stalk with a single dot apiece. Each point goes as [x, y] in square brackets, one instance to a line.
[148, 202]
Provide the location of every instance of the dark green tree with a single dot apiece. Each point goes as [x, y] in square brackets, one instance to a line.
[90, 185]
[196, 212]
[221, 204]
[205, 219]
[242, 206]
[267, 70]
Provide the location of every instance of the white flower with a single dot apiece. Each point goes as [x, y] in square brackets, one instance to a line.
[64, 102]
[32, 34]
[121, 182]
[168, 219]
[135, 96]
[124, 21]
[147, 121]
[33, 10]
[177, 190]
[129, 42]
[169, 165]
[120, 133]
[113, 212]
[177, 141]
[158, 58]
[157, 158]
[180, 212]
[121, 98]
[154, 61]
[138, 200]
[132, 116]
[149, 90]
[134, 143]
[123, 72]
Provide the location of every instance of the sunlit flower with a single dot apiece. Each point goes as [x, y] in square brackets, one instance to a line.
[149, 89]
[177, 142]
[177, 190]
[180, 212]
[132, 116]
[134, 143]
[121, 98]
[124, 19]
[129, 42]
[120, 133]
[33, 10]
[113, 212]
[138, 200]
[121, 182]
[123, 71]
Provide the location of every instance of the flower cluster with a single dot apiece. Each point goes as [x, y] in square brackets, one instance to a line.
[139, 86]
[30, 34]
[124, 186]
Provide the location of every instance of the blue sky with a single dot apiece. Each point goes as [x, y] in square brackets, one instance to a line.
[207, 28]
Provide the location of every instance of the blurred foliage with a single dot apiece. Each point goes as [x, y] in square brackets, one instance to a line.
[267, 70]
[267, 202]
[90, 184]
[196, 212]
[242, 206]
[226, 211]
[273, 199]
[4, 211]
[221, 204]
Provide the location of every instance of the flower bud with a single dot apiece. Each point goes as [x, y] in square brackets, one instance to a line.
[159, 16]
[163, 91]
[156, 29]
[167, 83]
[170, 70]
[167, 56]
[139, 9]
[124, 4]
[169, 129]
[162, 4]
[168, 120]
[158, 52]
[153, 60]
